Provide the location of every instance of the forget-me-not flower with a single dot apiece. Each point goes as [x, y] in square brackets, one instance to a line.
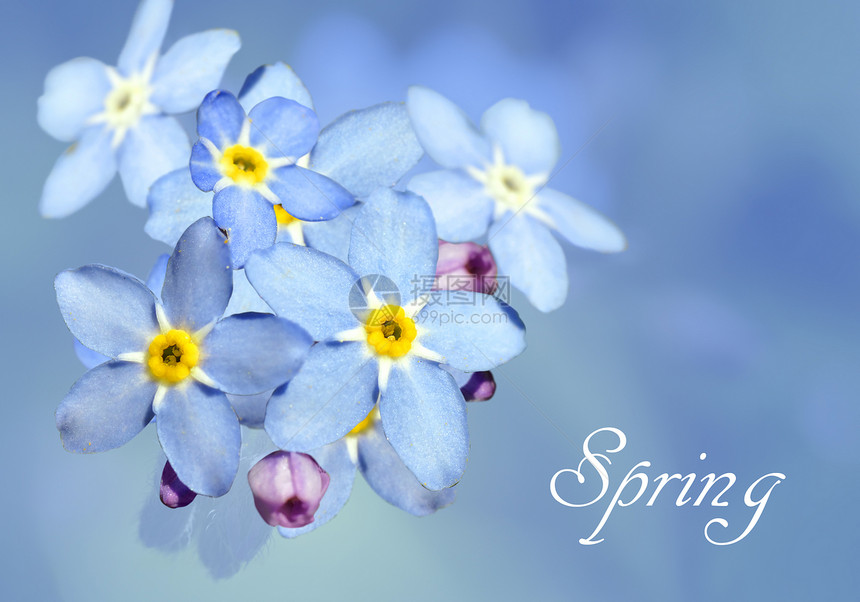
[386, 350]
[249, 162]
[494, 183]
[118, 117]
[361, 150]
[173, 358]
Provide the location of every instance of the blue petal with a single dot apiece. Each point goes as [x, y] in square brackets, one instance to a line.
[332, 236]
[199, 280]
[283, 128]
[106, 408]
[244, 297]
[394, 235]
[424, 417]
[448, 136]
[107, 310]
[250, 353]
[306, 286]
[580, 224]
[89, 358]
[228, 530]
[363, 150]
[273, 80]
[531, 257]
[333, 392]
[220, 118]
[473, 337]
[528, 138]
[155, 280]
[157, 145]
[307, 195]
[74, 92]
[203, 168]
[192, 67]
[461, 207]
[388, 476]
[80, 174]
[147, 32]
[248, 219]
[250, 409]
[200, 435]
[174, 204]
[334, 459]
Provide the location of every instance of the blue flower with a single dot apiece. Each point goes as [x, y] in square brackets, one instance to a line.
[360, 150]
[249, 161]
[117, 116]
[495, 181]
[172, 358]
[390, 348]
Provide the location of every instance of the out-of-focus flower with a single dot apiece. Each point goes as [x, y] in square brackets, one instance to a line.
[173, 358]
[466, 266]
[361, 150]
[389, 348]
[173, 492]
[118, 116]
[287, 488]
[495, 181]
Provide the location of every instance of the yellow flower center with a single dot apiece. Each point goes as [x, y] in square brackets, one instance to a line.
[365, 424]
[284, 218]
[172, 355]
[390, 331]
[245, 165]
[508, 185]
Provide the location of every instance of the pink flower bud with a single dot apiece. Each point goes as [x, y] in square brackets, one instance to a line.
[481, 386]
[174, 493]
[287, 488]
[465, 266]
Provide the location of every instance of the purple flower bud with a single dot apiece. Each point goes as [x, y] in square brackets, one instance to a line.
[481, 386]
[287, 488]
[465, 266]
[174, 493]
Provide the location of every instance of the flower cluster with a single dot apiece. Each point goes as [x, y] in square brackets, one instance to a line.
[313, 292]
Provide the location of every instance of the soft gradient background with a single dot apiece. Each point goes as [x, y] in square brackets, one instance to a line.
[730, 326]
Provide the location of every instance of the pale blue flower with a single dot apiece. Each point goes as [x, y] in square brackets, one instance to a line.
[172, 358]
[392, 350]
[118, 116]
[494, 183]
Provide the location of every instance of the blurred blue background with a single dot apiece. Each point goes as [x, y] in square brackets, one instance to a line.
[730, 326]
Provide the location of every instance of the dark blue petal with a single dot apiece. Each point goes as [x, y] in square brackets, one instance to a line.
[283, 128]
[220, 118]
[307, 195]
[248, 219]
